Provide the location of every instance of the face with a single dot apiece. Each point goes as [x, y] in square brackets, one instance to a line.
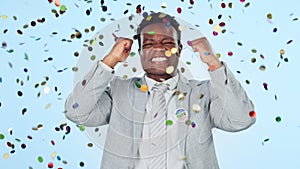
[160, 50]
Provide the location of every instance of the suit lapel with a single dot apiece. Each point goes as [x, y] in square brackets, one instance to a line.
[184, 88]
[139, 102]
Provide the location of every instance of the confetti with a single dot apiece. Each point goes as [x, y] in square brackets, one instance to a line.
[5, 156]
[262, 68]
[47, 89]
[252, 114]
[193, 124]
[50, 165]
[2, 136]
[168, 53]
[179, 10]
[40, 159]
[196, 108]
[169, 122]
[269, 16]
[230, 53]
[265, 86]
[144, 88]
[174, 50]
[188, 122]
[170, 69]
[278, 119]
[163, 5]
[265, 140]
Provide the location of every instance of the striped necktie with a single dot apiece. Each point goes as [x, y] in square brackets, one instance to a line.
[158, 128]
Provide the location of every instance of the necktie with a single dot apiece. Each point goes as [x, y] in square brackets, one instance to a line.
[158, 128]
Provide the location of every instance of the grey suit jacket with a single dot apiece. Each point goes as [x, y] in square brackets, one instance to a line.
[102, 98]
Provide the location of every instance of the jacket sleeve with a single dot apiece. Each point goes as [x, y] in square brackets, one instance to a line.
[229, 106]
[90, 102]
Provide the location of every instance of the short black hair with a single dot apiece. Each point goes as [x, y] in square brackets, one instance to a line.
[158, 17]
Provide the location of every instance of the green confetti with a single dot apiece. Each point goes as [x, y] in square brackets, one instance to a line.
[240, 44]
[137, 84]
[266, 140]
[169, 122]
[188, 63]
[278, 119]
[63, 8]
[26, 56]
[132, 54]
[81, 128]
[2, 136]
[151, 32]
[40, 159]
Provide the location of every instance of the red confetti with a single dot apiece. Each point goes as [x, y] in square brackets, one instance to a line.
[19, 32]
[222, 24]
[230, 53]
[223, 5]
[252, 114]
[50, 165]
[192, 2]
[179, 10]
[52, 142]
[242, 1]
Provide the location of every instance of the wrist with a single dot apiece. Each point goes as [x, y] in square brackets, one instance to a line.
[110, 61]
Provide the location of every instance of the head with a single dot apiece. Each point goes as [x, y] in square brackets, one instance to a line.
[159, 46]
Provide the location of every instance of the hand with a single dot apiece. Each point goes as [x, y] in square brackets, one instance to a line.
[202, 46]
[119, 52]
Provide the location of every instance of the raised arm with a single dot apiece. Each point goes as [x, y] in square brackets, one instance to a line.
[230, 106]
[90, 102]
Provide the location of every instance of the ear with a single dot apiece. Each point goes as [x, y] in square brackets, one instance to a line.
[179, 49]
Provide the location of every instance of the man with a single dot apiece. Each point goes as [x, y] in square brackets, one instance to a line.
[193, 107]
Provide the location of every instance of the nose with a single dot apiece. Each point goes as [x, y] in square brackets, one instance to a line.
[159, 46]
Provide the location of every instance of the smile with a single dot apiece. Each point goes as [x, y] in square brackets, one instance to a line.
[159, 59]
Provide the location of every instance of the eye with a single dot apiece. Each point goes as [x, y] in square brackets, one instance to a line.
[147, 45]
[169, 43]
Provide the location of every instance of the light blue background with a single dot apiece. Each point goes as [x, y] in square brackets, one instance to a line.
[234, 150]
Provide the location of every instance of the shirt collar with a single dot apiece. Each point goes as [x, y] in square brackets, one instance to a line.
[171, 83]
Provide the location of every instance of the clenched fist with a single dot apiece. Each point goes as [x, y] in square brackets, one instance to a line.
[119, 52]
[202, 46]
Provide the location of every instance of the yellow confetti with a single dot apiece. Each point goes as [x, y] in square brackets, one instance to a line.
[181, 96]
[162, 15]
[181, 27]
[53, 155]
[218, 55]
[269, 16]
[6, 155]
[173, 50]
[144, 88]
[4, 16]
[217, 28]
[170, 69]
[168, 53]
[48, 106]
[148, 18]
[282, 51]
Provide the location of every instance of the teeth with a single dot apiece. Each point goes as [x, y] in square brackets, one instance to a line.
[159, 59]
